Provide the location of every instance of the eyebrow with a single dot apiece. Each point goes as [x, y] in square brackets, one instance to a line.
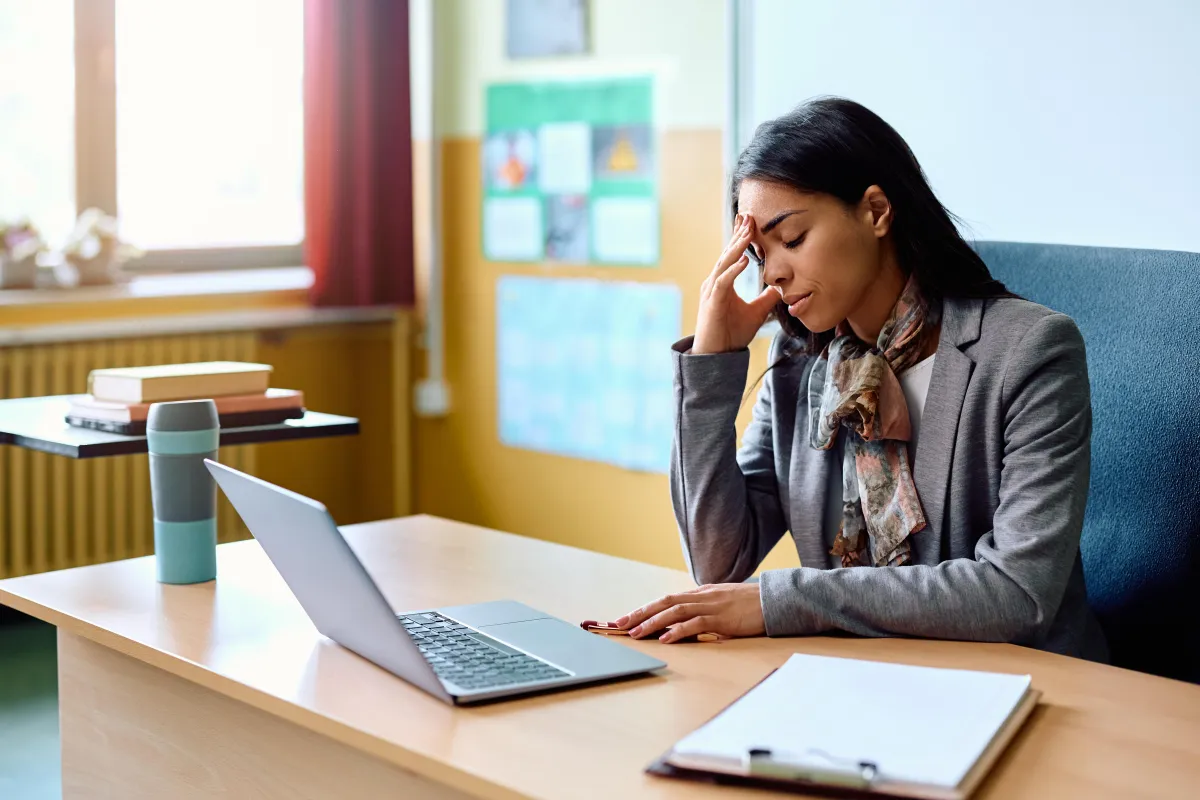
[780, 217]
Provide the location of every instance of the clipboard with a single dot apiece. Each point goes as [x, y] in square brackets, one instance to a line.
[861, 779]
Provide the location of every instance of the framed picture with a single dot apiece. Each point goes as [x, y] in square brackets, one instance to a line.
[539, 28]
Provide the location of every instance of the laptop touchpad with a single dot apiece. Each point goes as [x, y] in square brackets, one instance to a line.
[498, 612]
[568, 646]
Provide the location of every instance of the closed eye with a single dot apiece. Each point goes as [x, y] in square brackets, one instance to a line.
[794, 243]
[750, 251]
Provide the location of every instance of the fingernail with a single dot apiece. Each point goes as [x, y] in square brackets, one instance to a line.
[666, 637]
[636, 631]
[622, 620]
[707, 637]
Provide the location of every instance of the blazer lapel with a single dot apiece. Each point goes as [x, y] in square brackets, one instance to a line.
[961, 320]
[811, 473]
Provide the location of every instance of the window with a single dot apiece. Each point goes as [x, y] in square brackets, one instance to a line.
[209, 122]
[185, 118]
[37, 114]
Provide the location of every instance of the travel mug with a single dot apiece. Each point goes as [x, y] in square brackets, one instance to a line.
[180, 436]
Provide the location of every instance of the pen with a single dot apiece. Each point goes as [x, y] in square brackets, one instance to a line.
[608, 630]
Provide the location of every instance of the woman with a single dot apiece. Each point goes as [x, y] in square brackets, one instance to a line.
[922, 432]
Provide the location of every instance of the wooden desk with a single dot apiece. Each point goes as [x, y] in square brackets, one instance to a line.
[226, 689]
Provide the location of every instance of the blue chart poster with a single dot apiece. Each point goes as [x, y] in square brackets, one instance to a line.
[585, 368]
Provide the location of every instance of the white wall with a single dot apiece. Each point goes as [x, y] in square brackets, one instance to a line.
[1065, 121]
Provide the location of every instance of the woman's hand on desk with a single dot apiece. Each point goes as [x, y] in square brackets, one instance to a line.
[728, 609]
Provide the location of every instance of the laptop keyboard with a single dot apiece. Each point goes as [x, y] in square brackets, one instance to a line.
[470, 659]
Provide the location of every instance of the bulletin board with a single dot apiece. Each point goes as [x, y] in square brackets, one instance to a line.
[570, 173]
[584, 368]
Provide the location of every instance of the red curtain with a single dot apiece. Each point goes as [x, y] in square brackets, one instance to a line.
[358, 152]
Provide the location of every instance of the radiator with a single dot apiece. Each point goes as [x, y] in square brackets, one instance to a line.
[58, 512]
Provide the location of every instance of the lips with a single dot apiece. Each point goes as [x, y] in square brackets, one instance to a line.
[796, 303]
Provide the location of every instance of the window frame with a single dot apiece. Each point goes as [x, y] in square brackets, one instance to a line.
[96, 152]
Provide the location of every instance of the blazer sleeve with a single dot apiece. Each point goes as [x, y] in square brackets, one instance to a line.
[1011, 590]
[726, 499]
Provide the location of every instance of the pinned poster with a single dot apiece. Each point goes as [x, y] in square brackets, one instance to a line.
[584, 153]
[584, 368]
[512, 228]
[626, 229]
[566, 149]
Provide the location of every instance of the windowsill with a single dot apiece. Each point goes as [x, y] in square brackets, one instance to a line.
[182, 284]
[159, 305]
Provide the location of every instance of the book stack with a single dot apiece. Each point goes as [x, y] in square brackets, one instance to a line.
[119, 400]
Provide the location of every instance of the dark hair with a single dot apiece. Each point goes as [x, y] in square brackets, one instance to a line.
[837, 147]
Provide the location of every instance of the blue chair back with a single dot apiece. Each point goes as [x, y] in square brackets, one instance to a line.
[1139, 312]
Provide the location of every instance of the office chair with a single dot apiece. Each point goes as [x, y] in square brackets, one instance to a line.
[1139, 312]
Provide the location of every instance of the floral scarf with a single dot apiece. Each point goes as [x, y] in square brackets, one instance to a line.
[853, 390]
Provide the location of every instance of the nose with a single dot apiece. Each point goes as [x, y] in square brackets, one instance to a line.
[775, 272]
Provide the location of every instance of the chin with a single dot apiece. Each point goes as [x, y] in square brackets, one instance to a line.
[817, 322]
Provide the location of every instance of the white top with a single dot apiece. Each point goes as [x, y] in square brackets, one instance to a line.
[914, 381]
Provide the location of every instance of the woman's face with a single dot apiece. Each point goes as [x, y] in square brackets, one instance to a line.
[820, 255]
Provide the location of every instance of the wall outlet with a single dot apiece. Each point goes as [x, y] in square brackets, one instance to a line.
[432, 398]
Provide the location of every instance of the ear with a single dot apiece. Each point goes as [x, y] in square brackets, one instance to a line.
[876, 210]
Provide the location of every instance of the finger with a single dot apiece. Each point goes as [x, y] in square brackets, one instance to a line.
[737, 245]
[729, 256]
[725, 280]
[735, 235]
[673, 615]
[640, 615]
[663, 602]
[692, 627]
[765, 302]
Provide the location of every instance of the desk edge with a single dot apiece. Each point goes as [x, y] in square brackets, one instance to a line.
[306, 718]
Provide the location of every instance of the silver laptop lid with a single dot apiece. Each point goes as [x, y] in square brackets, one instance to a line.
[318, 565]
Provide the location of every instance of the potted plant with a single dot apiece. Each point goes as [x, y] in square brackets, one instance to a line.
[20, 245]
[93, 254]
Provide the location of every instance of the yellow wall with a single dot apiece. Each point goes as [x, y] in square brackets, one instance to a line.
[342, 369]
[461, 469]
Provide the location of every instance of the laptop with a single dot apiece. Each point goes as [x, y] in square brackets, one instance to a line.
[459, 654]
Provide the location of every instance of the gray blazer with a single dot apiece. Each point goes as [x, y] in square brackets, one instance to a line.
[1001, 467]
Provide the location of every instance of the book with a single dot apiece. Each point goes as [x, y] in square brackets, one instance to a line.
[245, 419]
[838, 724]
[208, 379]
[88, 407]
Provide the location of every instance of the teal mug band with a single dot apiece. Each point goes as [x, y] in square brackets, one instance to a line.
[186, 552]
[183, 443]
